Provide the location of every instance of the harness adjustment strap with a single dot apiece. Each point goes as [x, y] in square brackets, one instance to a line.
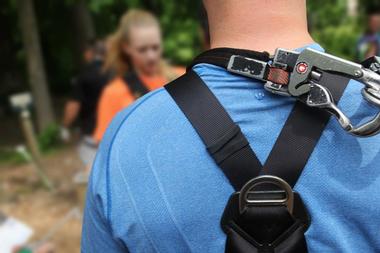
[228, 144]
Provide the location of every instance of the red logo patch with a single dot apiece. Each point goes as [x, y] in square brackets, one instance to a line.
[302, 67]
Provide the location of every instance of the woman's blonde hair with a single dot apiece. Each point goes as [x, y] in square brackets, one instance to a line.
[116, 62]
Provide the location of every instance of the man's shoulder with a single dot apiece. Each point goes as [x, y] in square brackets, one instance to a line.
[142, 116]
[149, 106]
[131, 128]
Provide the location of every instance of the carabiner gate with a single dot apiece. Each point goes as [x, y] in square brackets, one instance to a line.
[320, 97]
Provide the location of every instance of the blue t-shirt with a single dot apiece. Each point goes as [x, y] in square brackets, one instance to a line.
[154, 188]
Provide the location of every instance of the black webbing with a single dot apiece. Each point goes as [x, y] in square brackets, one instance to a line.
[134, 83]
[222, 137]
[226, 143]
[300, 134]
[221, 56]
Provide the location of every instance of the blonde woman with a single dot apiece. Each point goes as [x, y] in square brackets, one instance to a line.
[135, 57]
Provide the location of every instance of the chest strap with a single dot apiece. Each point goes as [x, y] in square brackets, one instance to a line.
[134, 83]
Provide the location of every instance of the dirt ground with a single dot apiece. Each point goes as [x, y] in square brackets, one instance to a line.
[23, 197]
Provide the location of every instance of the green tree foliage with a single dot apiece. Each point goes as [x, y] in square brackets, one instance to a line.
[180, 23]
[49, 138]
[331, 26]
[334, 29]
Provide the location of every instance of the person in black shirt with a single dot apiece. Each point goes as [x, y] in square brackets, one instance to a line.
[82, 105]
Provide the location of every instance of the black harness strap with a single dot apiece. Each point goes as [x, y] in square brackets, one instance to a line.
[222, 137]
[300, 135]
[226, 143]
[134, 83]
[221, 56]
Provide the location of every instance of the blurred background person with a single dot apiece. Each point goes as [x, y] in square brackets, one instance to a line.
[135, 56]
[86, 90]
[369, 44]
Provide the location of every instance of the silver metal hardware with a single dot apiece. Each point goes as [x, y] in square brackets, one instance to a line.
[315, 76]
[277, 89]
[283, 57]
[306, 70]
[321, 97]
[284, 196]
[315, 60]
[247, 67]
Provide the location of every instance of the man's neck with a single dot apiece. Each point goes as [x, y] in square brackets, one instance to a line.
[259, 25]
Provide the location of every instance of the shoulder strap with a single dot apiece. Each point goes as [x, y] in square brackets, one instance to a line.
[134, 83]
[300, 134]
[229, 147]
[221, 56]
[223, 138]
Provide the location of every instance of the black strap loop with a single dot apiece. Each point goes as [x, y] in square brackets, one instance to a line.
[228, 144]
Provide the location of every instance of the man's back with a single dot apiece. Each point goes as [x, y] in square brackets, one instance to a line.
[154, 187]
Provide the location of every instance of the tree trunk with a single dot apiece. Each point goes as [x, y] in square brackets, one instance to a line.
[352, 8]
[35, 63]
[83, 27]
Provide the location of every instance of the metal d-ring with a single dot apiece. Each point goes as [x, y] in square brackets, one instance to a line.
[248, 189]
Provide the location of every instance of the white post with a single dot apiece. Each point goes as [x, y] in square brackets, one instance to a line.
[21, 103]
[352, 8]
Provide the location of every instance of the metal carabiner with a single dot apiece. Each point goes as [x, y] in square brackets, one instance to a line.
[305, 70]
[371, 92]
[320, 97]
[308, 69]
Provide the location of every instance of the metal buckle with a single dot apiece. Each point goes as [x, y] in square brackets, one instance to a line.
[277, 89]
[283, 197]
[247, 67]
[282, 59]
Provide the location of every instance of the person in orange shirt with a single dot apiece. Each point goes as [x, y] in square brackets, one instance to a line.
[135, 57]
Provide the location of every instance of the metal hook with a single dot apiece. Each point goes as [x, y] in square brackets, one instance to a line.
[320, 97]
[305, 70]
